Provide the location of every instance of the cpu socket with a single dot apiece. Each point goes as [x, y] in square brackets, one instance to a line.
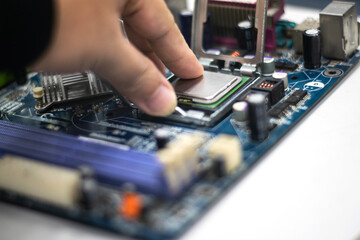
[206, 100]
[201, 17]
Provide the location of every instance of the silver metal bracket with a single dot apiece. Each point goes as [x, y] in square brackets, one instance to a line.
[199, 18]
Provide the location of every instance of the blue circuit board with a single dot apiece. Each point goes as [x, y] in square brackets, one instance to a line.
[114, 123]
[111, 132]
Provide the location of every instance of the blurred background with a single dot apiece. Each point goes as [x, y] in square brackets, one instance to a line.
[320, 4]
[178, 5]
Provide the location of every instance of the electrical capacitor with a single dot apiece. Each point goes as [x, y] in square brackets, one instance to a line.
[268, 66]
[282, 76]
[186, 17]
[162, 137]
[258, 121]
[186, 25]
[240, 111]
[312, 49]
[38, 94]
[245, 35]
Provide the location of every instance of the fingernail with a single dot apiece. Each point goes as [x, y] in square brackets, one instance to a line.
[162, 102]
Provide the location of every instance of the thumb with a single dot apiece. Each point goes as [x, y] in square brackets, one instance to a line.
[136, 77]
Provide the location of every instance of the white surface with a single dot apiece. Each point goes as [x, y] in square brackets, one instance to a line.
[307, 187]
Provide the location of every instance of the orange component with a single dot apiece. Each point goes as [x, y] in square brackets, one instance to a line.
[131, 206]
[266, 85]
[235, 54]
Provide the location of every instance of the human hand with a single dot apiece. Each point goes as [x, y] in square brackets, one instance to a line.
[88, 36]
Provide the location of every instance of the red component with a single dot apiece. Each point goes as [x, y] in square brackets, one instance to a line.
[131, 206]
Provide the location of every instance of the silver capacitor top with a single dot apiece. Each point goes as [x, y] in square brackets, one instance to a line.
[268, 66]
[240, 111]
[282, 76]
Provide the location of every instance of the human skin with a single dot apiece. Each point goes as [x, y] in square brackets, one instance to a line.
[88, 36]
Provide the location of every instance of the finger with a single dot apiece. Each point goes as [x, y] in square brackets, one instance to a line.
[137, 78]
[143, 45]
[153, 21]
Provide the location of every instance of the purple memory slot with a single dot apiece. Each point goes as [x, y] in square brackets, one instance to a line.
[112, 165]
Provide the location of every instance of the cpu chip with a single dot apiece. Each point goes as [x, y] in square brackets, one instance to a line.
[207, 89]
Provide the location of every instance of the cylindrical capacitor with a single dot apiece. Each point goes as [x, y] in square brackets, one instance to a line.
[282, 76]
[258, 120]
[186, 17]
[240, 111]
[38, 92]
[39, 95]
[312, 49]
[162, 137]
[186, 25]
[268, 66]
[245, 35]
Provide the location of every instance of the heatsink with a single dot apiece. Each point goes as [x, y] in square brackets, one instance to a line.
[65, 90]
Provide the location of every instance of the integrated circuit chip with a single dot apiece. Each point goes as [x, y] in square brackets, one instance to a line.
[300, 93]
[279, 110]
[286, 66]
[206, 89]
[296, 97]
[282, 109]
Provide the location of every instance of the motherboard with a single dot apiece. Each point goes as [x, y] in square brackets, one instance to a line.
[70, 145]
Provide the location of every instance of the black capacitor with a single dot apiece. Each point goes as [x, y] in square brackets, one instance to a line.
[186, 25]
[312, 49]
[186, 18]
[245, 35]
[258, 120]
[162, 137]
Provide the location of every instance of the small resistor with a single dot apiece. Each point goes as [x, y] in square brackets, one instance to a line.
[131, 206]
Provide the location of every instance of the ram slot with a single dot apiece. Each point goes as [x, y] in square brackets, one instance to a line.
[113, 166]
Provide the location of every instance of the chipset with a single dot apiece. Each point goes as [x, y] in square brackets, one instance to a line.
[66, 90]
